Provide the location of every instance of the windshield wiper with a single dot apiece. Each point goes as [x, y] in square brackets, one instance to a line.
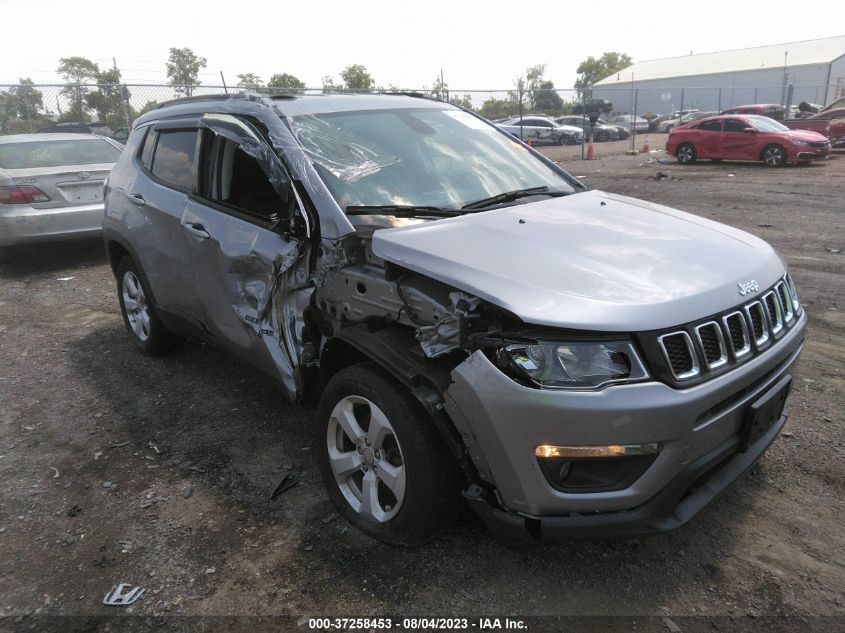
[510, 196]
[400, 210]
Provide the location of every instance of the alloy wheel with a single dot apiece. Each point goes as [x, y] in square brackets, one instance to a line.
[773, 156]
[686, 154]
[366, 459]
[135, 305]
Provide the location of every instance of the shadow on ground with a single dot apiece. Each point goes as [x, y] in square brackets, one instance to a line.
[17, 262]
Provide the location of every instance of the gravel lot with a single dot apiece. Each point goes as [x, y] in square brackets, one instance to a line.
[117, 467]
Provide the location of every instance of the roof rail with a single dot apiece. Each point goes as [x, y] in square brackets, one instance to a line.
[222, 97]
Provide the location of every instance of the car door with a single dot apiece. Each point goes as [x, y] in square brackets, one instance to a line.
[536, 129]
[157, 196]
[708, 139]
[738, 142]
[244, 246]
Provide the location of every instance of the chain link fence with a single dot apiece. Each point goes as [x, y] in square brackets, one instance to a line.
[26, 108]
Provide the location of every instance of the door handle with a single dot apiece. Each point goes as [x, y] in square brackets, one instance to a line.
[137, 199]
[197, 230]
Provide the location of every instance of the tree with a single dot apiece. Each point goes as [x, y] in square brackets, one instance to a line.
[149, 105]
[108, 100]
[494, 108]
[440, 89]
[250, 81]
[592, 70]
[183, 68]
[30, 100]
[329, 85]
[546, 100]
[356, 77]
[76, 70]
[286, 83]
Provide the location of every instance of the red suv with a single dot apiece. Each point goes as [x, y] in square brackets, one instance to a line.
[751, 138]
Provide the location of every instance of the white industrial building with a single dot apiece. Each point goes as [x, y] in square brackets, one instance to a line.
[714, 81]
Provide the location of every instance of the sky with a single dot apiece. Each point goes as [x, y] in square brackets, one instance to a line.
[406, 43]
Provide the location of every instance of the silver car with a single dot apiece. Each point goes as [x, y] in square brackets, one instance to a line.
[468, 321]
[542, 130]
[631, 122]
[51, 185]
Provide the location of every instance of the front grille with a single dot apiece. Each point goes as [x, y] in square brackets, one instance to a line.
[737, 334]
[712, 344]
[818, 143]
[759, 325]
[774, 311]
[732, 337]
[785, 301]
[680, 355]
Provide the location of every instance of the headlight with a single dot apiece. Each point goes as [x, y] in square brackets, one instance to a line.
[801, 143]
[572, 364]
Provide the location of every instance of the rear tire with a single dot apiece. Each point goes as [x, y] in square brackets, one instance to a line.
[139, 315]
[773, 156]
[385, 466]
[686, 153]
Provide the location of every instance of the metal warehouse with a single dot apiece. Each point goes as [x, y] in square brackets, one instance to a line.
[812, 70]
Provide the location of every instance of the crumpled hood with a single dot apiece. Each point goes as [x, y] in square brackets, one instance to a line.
[593, 261]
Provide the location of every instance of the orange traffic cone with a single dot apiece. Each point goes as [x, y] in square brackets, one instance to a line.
[645, 149]
[590, 153]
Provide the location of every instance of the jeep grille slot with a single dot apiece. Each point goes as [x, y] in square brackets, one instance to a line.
[680, 354]
[759, 326]
[785, 301]
[712, 344]
[737, 334]
[774, 311]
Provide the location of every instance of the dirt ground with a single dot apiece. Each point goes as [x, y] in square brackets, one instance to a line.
[159, 472]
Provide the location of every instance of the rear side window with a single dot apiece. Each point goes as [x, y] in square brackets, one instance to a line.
[147, 150]
[173, 160]
[735, 125]
[711, 126]
[35, 154]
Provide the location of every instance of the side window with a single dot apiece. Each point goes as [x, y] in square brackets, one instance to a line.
[735, 125]
[237, 180]
[173, 160]
[147, 149]
[711, 126]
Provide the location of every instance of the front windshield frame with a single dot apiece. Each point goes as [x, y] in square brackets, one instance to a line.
[765, 124]
[519, 166]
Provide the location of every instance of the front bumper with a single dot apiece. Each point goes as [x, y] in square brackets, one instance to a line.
[23, 224]
[502, 422]
[812, 154]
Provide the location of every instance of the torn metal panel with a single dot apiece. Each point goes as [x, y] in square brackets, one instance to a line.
[243, 275]
[447, 333]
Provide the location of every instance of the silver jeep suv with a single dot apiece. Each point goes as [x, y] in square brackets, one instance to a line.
[471, 324]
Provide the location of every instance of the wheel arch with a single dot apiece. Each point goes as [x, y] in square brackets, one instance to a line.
[388, 347]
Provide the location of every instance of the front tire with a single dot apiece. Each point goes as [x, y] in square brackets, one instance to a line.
[774, 156]
[686, 154]
[385, 466]
[139, 314]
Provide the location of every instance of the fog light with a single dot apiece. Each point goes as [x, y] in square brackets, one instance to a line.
[611, 450]
[583, 469]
